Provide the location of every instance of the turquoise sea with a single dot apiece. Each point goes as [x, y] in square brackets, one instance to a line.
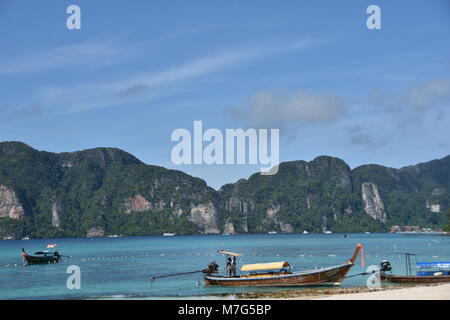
[121, 267]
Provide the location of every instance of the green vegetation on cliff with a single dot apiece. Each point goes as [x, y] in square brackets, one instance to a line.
[64, 195]
[106, 191]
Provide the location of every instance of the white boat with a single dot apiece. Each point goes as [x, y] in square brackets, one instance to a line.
[272, 232]
[113, 236]
[328, 232]
[305, 232]
[26, 238]
[168, 234]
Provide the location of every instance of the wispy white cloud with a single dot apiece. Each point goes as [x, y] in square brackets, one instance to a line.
[181, 33]
[405, 113]
[138, 86]
[92, 53]
[280, 109]
[429, 96]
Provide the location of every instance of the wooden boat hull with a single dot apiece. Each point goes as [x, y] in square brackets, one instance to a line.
[41, 260]
[325, 276]
[414, 279]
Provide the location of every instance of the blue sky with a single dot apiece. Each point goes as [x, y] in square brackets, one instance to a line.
[138, 70]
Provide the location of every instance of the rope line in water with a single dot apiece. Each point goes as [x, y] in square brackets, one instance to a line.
[360, 274]
[153, 278]
[76, 260]
[110, 258]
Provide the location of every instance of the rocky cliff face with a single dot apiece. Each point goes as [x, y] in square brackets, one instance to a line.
[204, 216]
[301, 192]
[273, 217]
[108, 191]
[137, 204]
[373, 204]
[229, 228]
[95, 232]
[10, 206]
[106, 188]
[56, 209]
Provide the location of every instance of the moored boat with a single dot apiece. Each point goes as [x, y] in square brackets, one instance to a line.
[415, 279]
[279, 274]
[427, 272]
[41, 257]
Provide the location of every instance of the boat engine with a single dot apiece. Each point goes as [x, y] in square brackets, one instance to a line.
[213, 267]
[385, 266]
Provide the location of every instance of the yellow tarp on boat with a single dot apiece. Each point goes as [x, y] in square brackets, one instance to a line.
[230, 253]
[265, 266]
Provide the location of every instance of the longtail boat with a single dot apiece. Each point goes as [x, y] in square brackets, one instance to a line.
[276, 274]
[427, 272]
[41, 257]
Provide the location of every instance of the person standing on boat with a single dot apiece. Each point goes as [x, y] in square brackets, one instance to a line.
[24, 256]
[233, 266]
[57, 255]
[228, 267]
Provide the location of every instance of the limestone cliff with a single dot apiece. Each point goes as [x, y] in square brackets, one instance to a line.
[204, 216]
[137, 204]
[46, 195]
[10, 206]
[272, 216]
[373, 203]
[56, 209]
[229, 228]
[95, 232]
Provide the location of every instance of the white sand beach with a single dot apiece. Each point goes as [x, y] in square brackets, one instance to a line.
[438, 292]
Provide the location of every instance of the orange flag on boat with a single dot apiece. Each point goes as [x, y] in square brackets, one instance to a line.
[362, 256]
[52, 245]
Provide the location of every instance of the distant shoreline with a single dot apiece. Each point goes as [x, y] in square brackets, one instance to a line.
[238, 234]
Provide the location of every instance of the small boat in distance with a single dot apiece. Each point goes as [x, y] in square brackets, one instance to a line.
[305, 232]
[41, 257]
[168, 234]
[276, 274]
[328, 232]
[426, 272]
[272, 232]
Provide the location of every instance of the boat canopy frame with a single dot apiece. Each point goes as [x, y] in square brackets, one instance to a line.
[265, 266]
[229, 253]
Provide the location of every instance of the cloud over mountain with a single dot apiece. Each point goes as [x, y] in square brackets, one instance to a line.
[276, 109]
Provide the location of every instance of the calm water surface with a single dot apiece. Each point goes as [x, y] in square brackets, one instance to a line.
[121, 267]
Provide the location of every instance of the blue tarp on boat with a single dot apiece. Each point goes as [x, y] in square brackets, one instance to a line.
[433, 264]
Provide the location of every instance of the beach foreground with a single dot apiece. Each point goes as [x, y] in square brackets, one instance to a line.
[438, 292]
[394, 292]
